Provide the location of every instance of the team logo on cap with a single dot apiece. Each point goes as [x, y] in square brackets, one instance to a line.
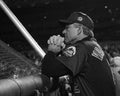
[79, 18]
[70, 51]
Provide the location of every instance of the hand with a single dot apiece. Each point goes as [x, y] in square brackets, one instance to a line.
[57, 40]
[54, 48]
[56, 43]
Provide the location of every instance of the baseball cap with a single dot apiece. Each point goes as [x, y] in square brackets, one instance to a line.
[79, 17]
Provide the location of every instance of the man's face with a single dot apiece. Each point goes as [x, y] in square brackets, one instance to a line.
[70, 32]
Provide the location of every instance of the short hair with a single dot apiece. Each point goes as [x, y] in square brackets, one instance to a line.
[87, 31]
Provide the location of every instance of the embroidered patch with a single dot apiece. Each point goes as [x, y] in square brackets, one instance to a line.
[79, 18]
[70, 51]
[98, 53]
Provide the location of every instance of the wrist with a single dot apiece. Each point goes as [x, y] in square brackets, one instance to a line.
[54, 48]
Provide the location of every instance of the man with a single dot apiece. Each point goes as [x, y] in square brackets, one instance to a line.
[79, 56]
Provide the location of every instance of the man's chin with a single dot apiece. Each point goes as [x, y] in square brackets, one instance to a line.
[66, 42]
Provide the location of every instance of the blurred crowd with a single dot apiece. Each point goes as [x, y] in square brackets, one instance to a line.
[111, 47]
[112, 50]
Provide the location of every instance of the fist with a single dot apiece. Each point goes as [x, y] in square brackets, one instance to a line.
[56, 40]
[56, 43]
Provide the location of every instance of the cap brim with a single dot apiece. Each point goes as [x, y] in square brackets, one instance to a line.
[65, 22]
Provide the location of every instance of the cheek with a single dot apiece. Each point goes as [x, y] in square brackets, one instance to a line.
[69, 36]
[72, 34]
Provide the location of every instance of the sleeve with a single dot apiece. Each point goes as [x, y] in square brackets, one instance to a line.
[75, 62]
[52, 67]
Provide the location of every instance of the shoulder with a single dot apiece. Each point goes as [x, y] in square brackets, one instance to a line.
[80, 46]
[75, 49]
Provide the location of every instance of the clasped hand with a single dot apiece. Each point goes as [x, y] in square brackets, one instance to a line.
[56, 43]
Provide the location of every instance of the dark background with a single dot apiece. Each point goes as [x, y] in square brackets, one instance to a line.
[40, 18]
